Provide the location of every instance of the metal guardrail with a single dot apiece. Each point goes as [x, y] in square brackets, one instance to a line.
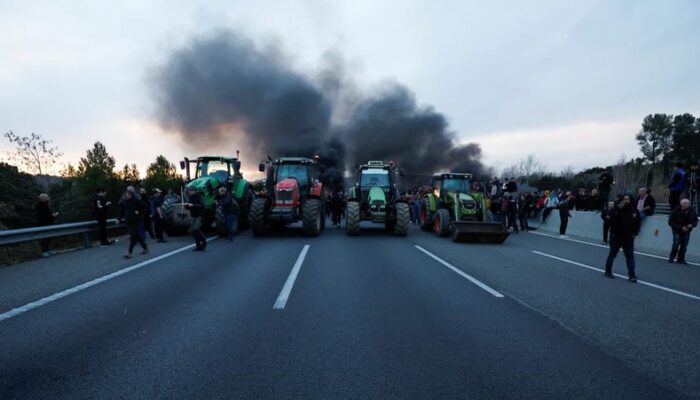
[14, 236]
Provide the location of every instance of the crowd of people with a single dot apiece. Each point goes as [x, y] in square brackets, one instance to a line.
[515, 209]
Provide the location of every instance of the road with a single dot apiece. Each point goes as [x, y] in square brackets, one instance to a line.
[373, 316]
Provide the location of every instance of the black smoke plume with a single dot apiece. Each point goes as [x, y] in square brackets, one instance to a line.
[224, 91]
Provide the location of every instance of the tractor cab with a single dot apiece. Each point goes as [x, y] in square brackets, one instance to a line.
[452, 183]
[212, 172]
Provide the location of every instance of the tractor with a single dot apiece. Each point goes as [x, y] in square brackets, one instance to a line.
[375, 197]
[292, 192]
[211, 172]
[455, 209]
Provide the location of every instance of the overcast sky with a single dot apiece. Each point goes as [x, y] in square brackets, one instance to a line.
[567, 81]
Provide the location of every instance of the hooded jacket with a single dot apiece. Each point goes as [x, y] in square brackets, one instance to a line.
[677, 181]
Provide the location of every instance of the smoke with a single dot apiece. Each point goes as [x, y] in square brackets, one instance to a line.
[225, 89]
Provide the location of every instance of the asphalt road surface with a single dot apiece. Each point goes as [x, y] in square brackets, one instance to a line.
[335, 317]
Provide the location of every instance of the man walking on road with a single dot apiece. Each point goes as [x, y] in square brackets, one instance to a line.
[147, 223]
[196, 207]
[682, 221]
[624, 226]
[101, 206]
[132, 212]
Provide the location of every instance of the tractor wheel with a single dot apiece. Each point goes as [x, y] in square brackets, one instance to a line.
[425, 219]
[403, 218]
[441, 223]
[311, 217]
[244, 206]
[257, 217]
[352, 218]
[167, 206]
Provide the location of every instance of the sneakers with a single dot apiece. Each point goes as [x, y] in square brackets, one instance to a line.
[605, 243]
[632, 279]
[609, 275]
[683, 262]
[144, 252]
[127, 256]
[563, 237]
[670, 260]
[46, 254]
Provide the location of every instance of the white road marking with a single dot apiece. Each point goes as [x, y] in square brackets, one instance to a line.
[56, 296]
[606, 247]
[287, 288]
[678, 292]
[460, 272]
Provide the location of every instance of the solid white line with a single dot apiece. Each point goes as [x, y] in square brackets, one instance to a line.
[460, 272]
[56, 296]
[605, 247]
[678, 292]
[287, 288]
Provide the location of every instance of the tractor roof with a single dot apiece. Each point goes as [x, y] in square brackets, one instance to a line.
[453, 175]
[294, 160]
[376, 164]
[216, 158]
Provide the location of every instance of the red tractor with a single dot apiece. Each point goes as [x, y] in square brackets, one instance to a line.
[292, 193]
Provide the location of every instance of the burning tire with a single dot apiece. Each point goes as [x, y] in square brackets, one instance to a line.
[257, 217]
[403, 218]
[441, 223]
[311, 217]
[352, 218]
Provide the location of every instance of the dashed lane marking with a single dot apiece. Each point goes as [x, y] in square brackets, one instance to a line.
[289, 284]
[56, 296]
[655, 286]
[460, 272]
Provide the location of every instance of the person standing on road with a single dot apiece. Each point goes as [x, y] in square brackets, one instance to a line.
[605, 183]
[605, 216]
[564, 214]
[646, 204]
[132, 212]
[525, 210]
[682, 221]
[624, 226]
[196, 207]
[157, 215]
[512, 213]
[147, 222]
[676, 186]
[101, 205]
[229, 206]
[45, 217]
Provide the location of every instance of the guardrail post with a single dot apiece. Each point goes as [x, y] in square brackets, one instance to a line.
[86, 237]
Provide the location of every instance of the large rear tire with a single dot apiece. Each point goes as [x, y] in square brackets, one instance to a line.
[425, 219]
[257, 217]
[403, 218]
[311, 217]
[244, 204]
[441, 223]
[220, 220]
[352, 218]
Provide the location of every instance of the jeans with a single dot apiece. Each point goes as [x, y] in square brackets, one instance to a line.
[231, 226]
[627, 245]
[680, 245]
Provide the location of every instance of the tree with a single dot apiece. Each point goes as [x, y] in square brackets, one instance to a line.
[96, 170]
[130, 174]
[655, 137]
[34, 153]
[162, 174]
[686, 138]
[529, 166]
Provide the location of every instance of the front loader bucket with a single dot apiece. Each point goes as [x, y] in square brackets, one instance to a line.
[479, 232]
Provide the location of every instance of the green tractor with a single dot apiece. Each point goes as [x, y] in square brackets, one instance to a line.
[455, 209]
[211, 173]
[375, 197]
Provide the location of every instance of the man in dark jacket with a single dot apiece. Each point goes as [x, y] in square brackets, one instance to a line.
[676, 186]
[101, 205]
[132, 212]
[594, 202]
[45, 217]
[624, 226]
[229, 207]
[605, 182]
[512, 187]
[645, 203]
[196, 207]
[157, 214]
[682, 221]
[147, 222]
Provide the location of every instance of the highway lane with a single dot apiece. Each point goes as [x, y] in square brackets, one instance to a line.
[368, 317]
